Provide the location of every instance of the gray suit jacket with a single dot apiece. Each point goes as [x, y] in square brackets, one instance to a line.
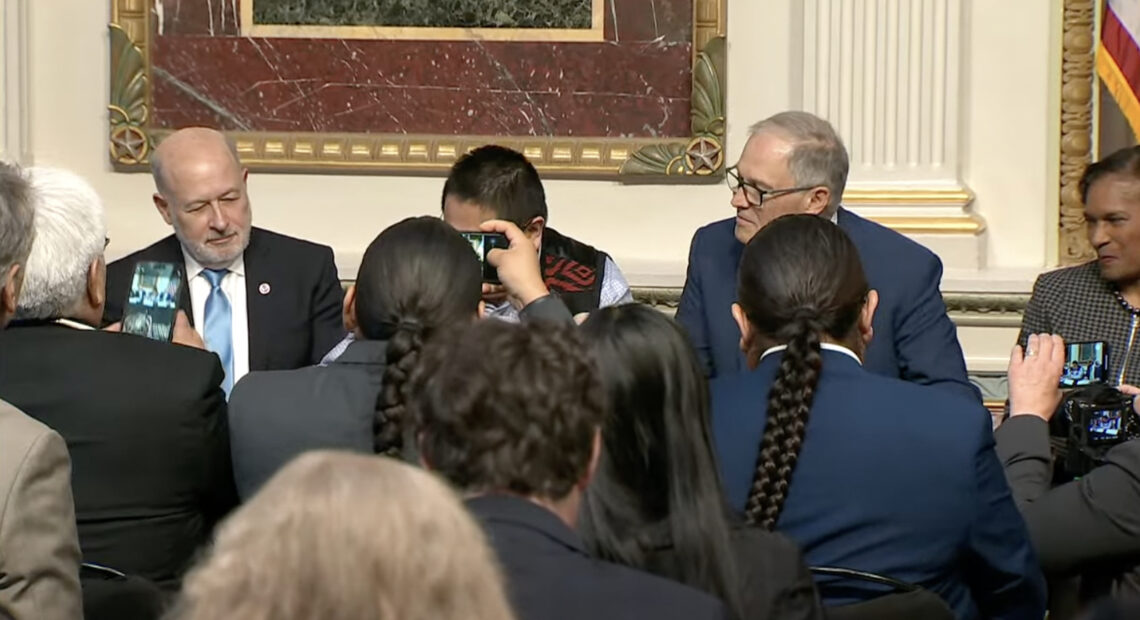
[39, 548]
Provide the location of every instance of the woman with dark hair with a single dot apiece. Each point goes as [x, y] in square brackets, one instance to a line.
[864, 472]
[417, 276]
[655, 502]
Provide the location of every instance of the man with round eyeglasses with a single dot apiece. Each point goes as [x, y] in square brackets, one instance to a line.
[794, 162]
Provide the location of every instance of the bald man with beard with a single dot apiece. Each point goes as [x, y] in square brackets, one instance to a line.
[260, 300]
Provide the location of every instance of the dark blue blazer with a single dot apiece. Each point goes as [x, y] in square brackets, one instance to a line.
[893, 478]
[914, 339]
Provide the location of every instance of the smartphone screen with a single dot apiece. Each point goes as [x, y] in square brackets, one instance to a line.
[152, 301]
[1086, 363]
[483, 243]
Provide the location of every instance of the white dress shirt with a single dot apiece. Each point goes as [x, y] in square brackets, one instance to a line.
[233, 285]
[826, 346]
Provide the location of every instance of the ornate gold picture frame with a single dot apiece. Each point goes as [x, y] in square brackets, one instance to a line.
[695, 158]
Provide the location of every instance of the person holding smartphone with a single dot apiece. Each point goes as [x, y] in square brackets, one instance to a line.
[1088, 529]
[145, 421]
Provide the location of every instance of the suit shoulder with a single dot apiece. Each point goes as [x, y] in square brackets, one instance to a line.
[924, 407]
[19, 429]
[1066, 277]
[870, 235]
[178, 367]
[719, 230]
[292, 245]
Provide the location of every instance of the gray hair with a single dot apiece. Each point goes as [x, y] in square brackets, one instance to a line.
[70, 235]
[818, 156]
[16, 218]
[158, 167]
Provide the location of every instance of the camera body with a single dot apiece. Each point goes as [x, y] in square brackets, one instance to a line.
[1094, 417]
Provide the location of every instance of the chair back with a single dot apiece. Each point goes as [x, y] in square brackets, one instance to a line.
[902, 601]
[109, 594]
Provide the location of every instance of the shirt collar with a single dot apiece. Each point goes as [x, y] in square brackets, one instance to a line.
[193, 267]
[826, 346]
[74, 324]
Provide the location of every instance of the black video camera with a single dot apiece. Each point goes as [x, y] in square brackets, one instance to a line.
[1094, 417]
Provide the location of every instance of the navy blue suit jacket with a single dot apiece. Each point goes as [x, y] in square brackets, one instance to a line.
[914, 339]
[893, 478]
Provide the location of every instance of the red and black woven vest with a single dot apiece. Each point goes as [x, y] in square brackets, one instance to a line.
[573, 271]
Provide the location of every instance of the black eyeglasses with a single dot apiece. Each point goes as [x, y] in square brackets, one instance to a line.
[752, 193]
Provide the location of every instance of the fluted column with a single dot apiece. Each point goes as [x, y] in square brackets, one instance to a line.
[887, 74]
[14, 108]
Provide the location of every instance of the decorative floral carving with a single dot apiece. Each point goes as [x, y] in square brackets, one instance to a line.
[1078, 45]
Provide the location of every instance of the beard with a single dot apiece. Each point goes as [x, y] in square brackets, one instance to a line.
[215, 256]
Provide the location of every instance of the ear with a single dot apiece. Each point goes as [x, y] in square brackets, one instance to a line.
[534, 231]
[867, 317]
[595, 457]
[10, 292]
[745, 327]
[482, 311]
[244, 175]
[817, 199]
[348, 311]
[163, 207]
[97, 284]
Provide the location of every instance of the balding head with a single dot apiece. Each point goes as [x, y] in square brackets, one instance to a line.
[201, 192]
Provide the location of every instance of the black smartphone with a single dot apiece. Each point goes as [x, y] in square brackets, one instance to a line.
[152, 301]
[482, 243]
[1086, 363]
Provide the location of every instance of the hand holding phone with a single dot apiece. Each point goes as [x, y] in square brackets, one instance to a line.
[483, 243]
[518, 265]
[152, 301]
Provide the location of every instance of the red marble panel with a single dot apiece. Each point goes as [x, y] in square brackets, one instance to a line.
[637, 85]
[202, 17]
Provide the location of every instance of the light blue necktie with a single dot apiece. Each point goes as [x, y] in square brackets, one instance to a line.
[219, 325]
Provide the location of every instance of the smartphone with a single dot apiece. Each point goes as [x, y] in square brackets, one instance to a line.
[1086, 363]
[482, 243]
[152, 301]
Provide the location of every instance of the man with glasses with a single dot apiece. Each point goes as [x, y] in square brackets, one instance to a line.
[794, 162]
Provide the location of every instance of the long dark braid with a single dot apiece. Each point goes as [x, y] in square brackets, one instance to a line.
[419, 275]
[403, 351]
[800, 280]
[789, 405]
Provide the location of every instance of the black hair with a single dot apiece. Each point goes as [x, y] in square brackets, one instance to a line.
[1125, 161]
[501, 180]
[657, 474]
[417, 276]
[800, 279]
[508, 407]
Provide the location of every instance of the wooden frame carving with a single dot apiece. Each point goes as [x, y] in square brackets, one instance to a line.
[1077, 83]
[696, 158]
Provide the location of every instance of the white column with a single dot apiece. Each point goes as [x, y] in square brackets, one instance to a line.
[14, 127]
[886, 73]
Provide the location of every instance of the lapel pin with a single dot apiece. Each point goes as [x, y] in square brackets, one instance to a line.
[263, 288]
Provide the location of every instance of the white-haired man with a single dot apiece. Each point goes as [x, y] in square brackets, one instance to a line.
[794, 162]
[145, 420]
[39, 552]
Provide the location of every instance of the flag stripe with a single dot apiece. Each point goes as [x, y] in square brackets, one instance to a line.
[1117, 41]
[1121, 90]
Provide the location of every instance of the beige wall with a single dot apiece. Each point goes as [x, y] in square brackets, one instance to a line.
[1007, 105]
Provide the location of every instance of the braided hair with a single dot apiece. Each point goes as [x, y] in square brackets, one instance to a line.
[800, 280]
[417, 276]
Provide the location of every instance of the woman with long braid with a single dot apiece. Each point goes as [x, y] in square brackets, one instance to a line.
[864, 472]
